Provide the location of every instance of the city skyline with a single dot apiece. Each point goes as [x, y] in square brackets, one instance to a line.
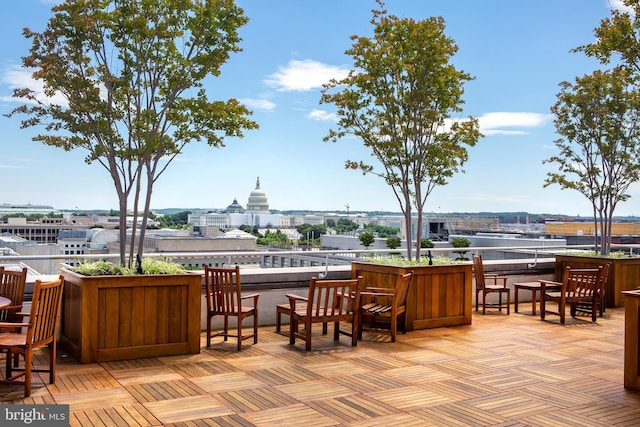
[518, 52]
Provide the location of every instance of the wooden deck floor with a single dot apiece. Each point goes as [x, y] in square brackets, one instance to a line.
[504, 370]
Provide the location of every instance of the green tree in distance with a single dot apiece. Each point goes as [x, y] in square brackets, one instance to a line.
[130, 75]
[460, 242]
[367, 239]
[393, 242]
[399, 100]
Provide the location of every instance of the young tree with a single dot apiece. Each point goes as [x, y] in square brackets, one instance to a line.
[399, 100]
[367, 239]
[460, 242]
[393, 242]
[598, 119]
[130, 73]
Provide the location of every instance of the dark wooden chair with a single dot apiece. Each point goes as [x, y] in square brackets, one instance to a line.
[387, 304]
[40, 332]
[224, 298]
[12, 284]
[328, 301]
[487, 288]
[579, 285]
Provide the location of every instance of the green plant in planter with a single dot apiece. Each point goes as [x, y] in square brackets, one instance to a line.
[404, 262]
[106, 268]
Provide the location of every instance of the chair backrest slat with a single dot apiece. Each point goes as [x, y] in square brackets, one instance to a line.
[45, 311]
[478, 272]
[332, 298]
[12, 284]
[402, 289]
[223, 289]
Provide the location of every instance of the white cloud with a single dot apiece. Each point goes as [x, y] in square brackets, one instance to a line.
[16, 77]
[494, 123]
[322, 116]
[304, 75]
[619, 5]
[258, 104]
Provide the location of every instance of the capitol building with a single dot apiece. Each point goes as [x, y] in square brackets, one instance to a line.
[255, 214]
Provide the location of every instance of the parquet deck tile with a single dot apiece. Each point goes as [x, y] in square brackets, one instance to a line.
[163, 390]
[283, 375]
[255, 399]
[367, 382]
[417, 374]
[463, 367]
[83, 382]
[349, 409]
[457, 390]
[227, 382]
[457, 415]
[144, 375]
[505, 371]
[408, 398]
[203, 369]
[511, 405]
[187, 408]
[558, 395]
[315, 389]
[293, 415]
[383, 362]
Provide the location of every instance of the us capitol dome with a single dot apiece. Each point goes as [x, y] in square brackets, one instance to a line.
[258, 202]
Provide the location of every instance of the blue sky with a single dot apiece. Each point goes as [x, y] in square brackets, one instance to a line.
[518, 51]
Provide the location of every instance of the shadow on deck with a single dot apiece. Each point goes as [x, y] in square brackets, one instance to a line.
[501, 370]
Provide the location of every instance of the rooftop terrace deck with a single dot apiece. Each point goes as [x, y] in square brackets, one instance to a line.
[501, 370]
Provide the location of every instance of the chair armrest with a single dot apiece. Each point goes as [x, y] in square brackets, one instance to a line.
[495, 278]
[377, 294]
[548, 283]
[296, 297]
[11, 307]
[250, 296]
[390, 291]
[12, 325]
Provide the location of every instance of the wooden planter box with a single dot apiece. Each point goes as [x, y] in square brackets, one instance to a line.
[624, 274]
[106, 318]
[440, 295]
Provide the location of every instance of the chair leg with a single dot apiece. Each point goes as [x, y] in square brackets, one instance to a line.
[293, 329]
[394, 328]
[255, 326]
[307, 335]
[477, 296]
[542, 306]
[278, 313]
[336, 331]
[27, 373]
[508, 302]
[208, 330]
[484, 301]
[52, 362]
[226, 327]
[561, 310]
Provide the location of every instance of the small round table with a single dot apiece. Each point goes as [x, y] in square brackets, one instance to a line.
[4, 302]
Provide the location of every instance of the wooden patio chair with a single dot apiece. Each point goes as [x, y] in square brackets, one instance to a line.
[328, 301]
[40, 332]
[224, 298]
[388, 304]
[578, 285]
[12, 284]
[482, 286]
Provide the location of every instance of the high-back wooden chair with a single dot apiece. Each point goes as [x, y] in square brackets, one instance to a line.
[388, 304]
[12, 284]
[224, 298]
[578, 285]
[40, 332]
[328, 301]
[487, 288]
